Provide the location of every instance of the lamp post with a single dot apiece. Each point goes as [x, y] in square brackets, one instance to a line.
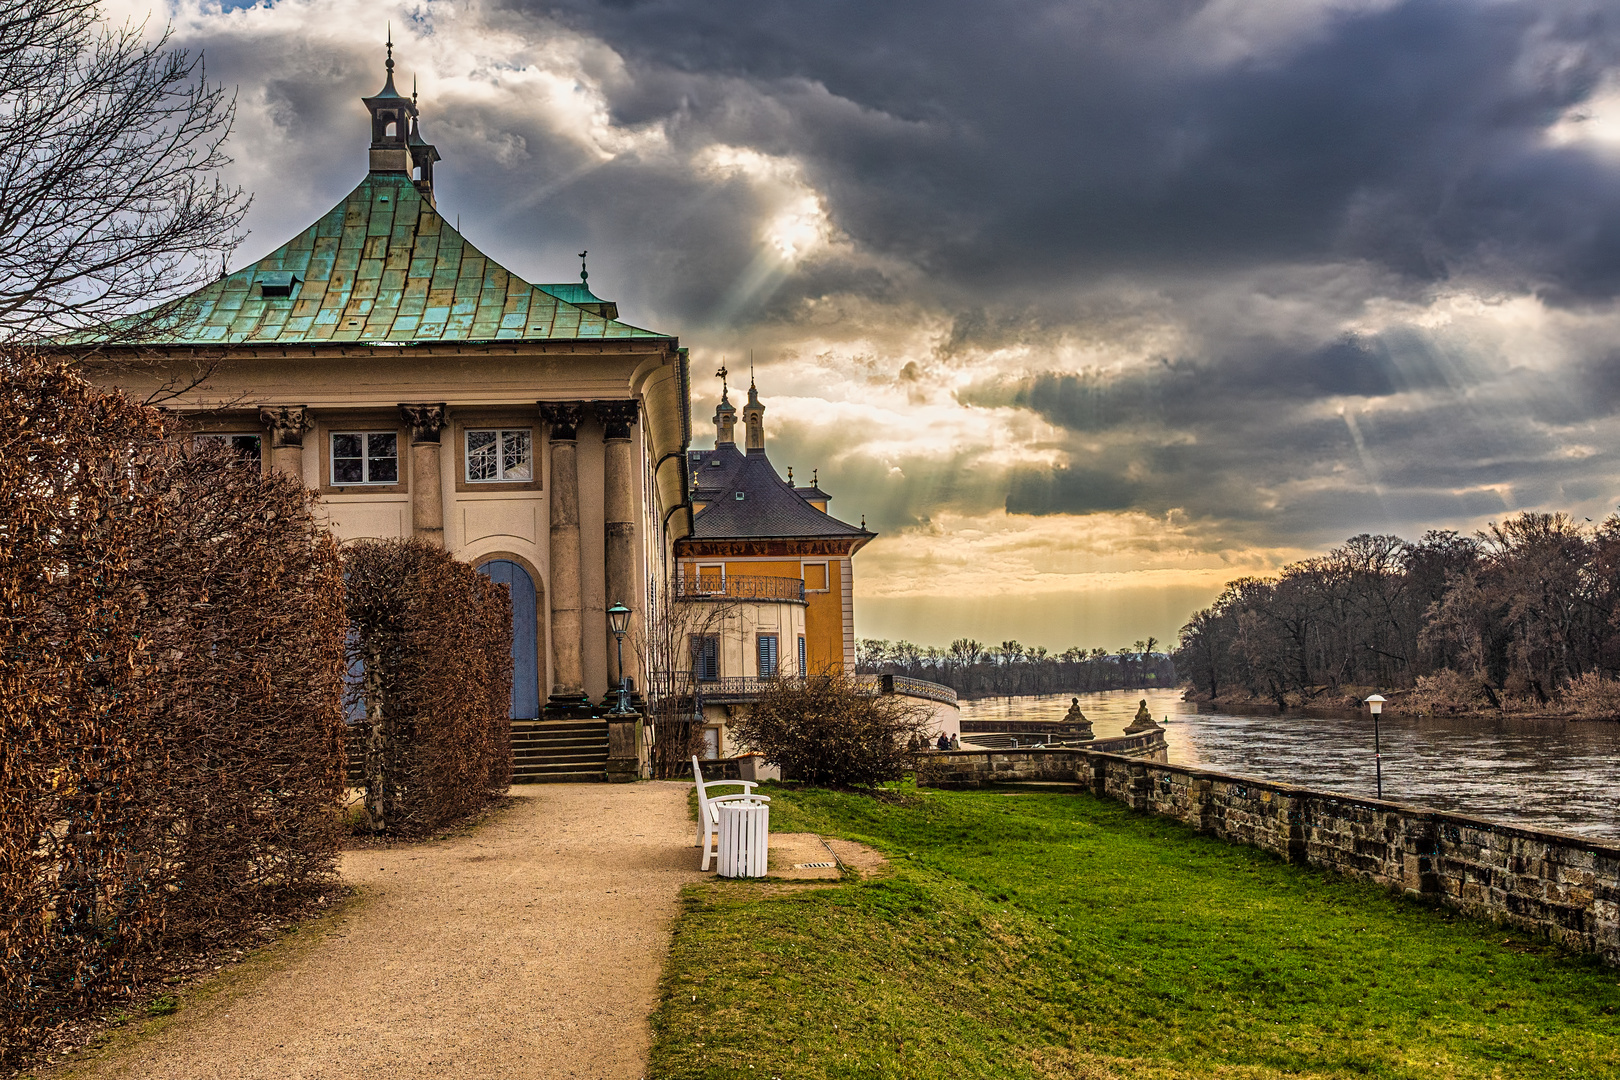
[1376, 704]
[619, 621]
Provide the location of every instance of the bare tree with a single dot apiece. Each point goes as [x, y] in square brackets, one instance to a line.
[110, 197]
[677, 620]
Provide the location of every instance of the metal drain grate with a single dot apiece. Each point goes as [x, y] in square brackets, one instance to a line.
[814, 865]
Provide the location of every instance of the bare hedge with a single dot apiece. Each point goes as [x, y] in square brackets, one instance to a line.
[432, 639]
[171, 635]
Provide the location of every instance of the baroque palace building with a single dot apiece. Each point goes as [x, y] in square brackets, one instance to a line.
[424, 390]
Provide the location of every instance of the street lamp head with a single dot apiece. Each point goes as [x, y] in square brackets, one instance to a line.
[618, 619]
[1376, 703]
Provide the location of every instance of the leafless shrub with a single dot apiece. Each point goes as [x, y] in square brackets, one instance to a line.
[171, 629]
[1591, 696]
[433, 638]
[832, 730]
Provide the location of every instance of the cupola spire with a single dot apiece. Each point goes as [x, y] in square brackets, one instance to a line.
[753, 415]
[725, 416]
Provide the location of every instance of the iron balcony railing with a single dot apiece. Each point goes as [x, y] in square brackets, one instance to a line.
[748, 687]
[738, 587]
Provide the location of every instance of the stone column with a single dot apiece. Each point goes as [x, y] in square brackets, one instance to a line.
[619, 503]
[567, 659]
[427, 495]
[287, 424]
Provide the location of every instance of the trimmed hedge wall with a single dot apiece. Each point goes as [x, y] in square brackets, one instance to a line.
[430, 646]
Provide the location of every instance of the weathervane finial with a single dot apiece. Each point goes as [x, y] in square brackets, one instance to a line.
[584, 274]
[721, 375]
[390, 64]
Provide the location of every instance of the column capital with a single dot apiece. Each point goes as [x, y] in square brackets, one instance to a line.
[426, 421]
[563, 416]
[287, 424]
[616, 416]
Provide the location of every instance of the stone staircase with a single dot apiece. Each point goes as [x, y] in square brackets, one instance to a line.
[559, 752]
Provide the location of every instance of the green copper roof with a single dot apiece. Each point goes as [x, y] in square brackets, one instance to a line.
[381, 266]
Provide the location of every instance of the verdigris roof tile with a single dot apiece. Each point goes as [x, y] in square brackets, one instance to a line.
[382, 265]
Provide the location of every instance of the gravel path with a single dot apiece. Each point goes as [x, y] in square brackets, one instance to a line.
[530, 948]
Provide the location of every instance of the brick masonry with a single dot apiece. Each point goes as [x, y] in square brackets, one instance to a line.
[1564, 886]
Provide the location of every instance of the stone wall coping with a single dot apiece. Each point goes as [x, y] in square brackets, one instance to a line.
[1525, 832]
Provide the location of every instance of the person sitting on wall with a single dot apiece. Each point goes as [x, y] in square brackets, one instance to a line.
[944, 742]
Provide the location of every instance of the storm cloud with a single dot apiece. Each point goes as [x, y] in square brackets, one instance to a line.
[1090, 289]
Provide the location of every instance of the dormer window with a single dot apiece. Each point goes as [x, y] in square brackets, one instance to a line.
[277, 284]
[739, 496]
[714, 463]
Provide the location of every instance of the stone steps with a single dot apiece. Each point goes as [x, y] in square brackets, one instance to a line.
[559, 752]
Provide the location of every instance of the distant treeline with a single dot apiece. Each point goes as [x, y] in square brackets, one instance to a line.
[974, 669]
[1523, 609]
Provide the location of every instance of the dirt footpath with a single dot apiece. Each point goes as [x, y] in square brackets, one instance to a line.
[530, 948]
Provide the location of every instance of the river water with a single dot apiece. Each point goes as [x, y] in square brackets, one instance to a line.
[1549, 774]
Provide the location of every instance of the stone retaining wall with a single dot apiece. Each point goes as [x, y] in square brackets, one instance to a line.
[1561, 885]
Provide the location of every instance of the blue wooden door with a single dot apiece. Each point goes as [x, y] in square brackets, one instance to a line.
[525, 650]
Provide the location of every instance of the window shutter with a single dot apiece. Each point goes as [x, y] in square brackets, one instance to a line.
[767, 655]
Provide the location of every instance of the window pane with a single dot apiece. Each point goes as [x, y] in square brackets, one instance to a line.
[767, 655]
[382, 466]
[481, 455]
[348, 467]
[246, 445]
[515, 457]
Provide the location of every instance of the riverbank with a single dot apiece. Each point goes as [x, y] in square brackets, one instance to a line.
[1396, 703]
[1043, 935]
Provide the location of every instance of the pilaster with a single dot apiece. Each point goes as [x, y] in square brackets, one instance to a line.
[288, 424]
[427, 495]
[567, 652]
[619, 504]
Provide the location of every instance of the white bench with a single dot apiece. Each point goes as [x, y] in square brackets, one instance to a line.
[709, 808]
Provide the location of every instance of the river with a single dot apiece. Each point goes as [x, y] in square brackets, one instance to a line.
[1548, 774]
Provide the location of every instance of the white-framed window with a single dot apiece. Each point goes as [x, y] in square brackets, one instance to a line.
[801, 656]
[365, 457]
[767, 655]
[711, 577]
[495, 455]
[247, 444]
[711, 743]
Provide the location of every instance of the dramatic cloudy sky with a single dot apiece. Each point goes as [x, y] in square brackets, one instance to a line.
[1087, 306]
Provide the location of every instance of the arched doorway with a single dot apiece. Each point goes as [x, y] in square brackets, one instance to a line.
[525, 646]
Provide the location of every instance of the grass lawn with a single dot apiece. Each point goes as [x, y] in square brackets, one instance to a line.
[1059, 935]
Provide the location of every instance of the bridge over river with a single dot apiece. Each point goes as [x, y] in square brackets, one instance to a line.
[1540, 773]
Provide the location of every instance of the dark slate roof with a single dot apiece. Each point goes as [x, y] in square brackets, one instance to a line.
[769, 509]
[712, 470]
[381, 266]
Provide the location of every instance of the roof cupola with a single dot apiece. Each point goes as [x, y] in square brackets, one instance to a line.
[725, 416]
[423, 153]
[753, 415]
[396, 145]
